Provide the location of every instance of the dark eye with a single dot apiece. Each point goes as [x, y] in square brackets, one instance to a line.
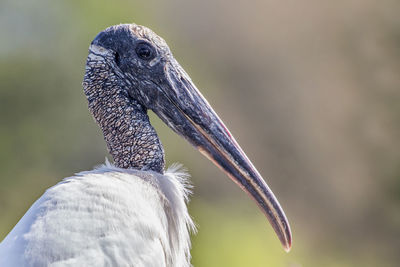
[145, 51]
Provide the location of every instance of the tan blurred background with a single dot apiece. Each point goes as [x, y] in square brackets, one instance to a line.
[310, 89]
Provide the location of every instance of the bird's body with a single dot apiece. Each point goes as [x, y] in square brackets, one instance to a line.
[133, 213]
[105, 217]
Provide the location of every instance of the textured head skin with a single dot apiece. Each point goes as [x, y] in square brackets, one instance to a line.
[129, 70]
[112, 71]
[144, 75]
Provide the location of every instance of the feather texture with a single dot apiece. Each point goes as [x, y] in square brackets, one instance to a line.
[106, 217]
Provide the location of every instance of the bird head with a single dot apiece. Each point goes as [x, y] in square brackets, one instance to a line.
[153, 78]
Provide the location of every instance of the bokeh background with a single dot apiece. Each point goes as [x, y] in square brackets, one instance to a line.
[310, 89]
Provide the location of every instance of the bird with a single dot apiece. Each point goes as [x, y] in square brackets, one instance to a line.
[133, 211]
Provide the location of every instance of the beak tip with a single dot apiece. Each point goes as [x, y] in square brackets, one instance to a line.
[287, 247]
[286, 239]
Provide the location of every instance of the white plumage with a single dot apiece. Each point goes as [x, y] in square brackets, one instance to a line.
[105, 217]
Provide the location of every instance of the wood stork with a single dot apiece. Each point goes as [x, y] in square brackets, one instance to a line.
[133, 213]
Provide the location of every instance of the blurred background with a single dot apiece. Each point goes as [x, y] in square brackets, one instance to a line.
[310, 89]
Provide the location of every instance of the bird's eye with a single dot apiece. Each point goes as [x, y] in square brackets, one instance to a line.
[145, 51]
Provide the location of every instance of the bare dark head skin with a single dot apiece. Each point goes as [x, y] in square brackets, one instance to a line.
[130, 70]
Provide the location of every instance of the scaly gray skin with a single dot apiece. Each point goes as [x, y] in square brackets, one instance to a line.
[129, 70]
[130, 138]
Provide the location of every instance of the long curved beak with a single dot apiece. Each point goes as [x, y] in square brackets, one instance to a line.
[182, 107]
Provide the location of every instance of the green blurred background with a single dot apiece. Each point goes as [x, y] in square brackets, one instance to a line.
[310, 89]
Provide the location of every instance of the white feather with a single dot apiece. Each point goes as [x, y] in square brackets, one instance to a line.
[106, 217]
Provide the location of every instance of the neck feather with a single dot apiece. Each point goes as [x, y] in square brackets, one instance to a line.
[130, 138]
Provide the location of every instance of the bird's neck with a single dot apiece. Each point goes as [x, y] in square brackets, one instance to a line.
[130, 138]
